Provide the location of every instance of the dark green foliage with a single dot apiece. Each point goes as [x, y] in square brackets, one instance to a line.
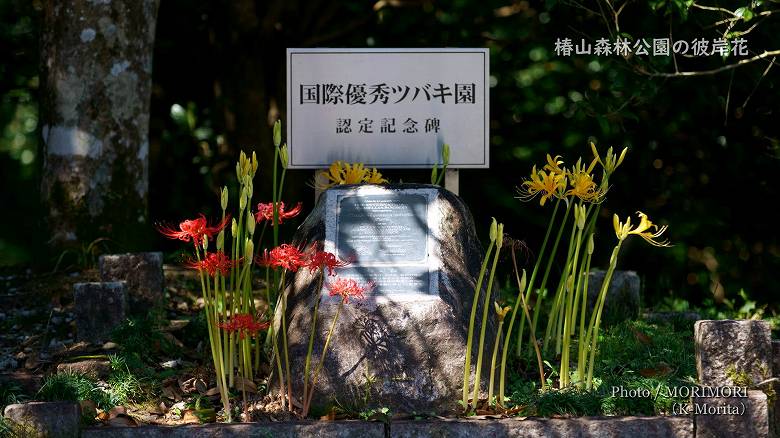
[142, 338]
[703, 148]
[626, 360]
[73, 387]
[10, 393]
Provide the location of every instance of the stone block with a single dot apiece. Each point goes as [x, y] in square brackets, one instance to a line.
[622, 301]
[143, 273]
[733, 353]
[95, 368]
[733, 416]
[99, 308]
[297, 429]
[45, 419]
[646, 427]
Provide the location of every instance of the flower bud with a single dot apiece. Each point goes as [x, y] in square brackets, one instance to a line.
[221, 240]
[622, 156]
[522, 283]
[249, 249]
[613, 257]
[277, 133]
[242, 202]
[493, 230]
[434, 174]
[581, 217]
[205, 243]
[234, 228]
[224, 199]
[250, 224]
[445, 153]
[590, 244]
[500, 236]
[283, 155]
[254, 163]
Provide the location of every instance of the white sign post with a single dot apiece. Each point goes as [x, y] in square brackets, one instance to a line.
[388, 108]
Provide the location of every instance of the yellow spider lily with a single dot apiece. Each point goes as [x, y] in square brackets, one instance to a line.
[548, 184]
[341, 172]
[554, 165]
[646, 229]
[582, 184]
[374, 177]
[501, 312]
[611, 161]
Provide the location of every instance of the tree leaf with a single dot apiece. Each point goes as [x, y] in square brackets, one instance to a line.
[744, 13]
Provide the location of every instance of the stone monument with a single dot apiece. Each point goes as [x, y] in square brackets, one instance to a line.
[403, 346]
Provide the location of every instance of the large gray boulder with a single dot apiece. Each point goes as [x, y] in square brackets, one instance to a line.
[44, 419]
[395, 349]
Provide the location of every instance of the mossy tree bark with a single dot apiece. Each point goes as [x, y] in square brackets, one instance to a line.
[96, 78]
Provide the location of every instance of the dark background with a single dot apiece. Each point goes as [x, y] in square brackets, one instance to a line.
[703, 149]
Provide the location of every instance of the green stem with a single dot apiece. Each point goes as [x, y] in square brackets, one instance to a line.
[284, 343]
[307, 402]
[582, 338]
[602, 299]
[543, 285]
[307, 366]
[493, 362]
[530, 289]
[570, 309]
[485, 309]
[470, 339]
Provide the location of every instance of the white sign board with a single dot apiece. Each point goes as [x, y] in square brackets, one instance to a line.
[387, 108]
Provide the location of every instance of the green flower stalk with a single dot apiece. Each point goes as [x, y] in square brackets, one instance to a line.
[345, 289]
[438, 174]
[647, 231]
[500, 314]
[472, 319]
[498, 235]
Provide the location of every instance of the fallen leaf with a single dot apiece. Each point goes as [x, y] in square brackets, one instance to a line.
[117, 411]
[243, 384]
[200, 386]
[171, 393]
[176, 324]
[206, 415]
[212, 392]
[661, 369]
[122, 421]
[641, 337]
[189, 417]
[172, 339]
[102, 416]
[330, 416]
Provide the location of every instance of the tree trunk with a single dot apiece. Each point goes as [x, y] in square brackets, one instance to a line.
[96, 83]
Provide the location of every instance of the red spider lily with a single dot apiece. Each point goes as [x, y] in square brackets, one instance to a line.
[244, 323]
[265, 212]
[347, 287]
[283, 256]
[323, 259]
[193, 229]
[214, 262]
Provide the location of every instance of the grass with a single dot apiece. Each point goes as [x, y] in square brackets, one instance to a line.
[10, 393]
[73, 387]
[142, 337]
[633, 355]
